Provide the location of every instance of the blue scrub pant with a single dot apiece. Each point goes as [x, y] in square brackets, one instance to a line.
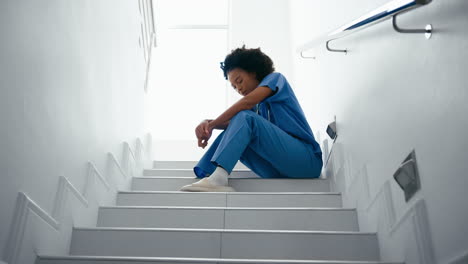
[262, 147]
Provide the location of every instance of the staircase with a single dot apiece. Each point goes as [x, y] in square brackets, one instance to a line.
[266, 221]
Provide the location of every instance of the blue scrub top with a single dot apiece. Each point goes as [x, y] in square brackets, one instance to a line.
[283, 109]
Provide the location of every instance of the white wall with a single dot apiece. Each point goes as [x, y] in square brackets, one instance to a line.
[392, 93]
[71, 78]
[264, 24]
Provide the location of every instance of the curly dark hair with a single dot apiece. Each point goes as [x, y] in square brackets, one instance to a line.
[249, 60]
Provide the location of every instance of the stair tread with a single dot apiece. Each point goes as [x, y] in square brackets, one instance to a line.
[214, 230]
[236, 173]
[241, 184]
[209, 260]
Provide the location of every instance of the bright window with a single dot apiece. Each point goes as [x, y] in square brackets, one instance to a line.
[192, 12]
[192, 40]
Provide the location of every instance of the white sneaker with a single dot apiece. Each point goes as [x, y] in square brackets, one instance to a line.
[205, 185]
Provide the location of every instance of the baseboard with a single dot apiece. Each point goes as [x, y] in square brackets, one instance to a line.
[420, 223]
[461, 259]
[32, 225]
[24, 205]
[383, 201]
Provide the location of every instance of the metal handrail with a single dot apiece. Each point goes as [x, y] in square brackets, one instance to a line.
[153, 40]
[148, 63]
[389, 10]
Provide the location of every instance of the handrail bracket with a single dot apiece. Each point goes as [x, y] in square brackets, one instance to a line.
[427, 31]
[307, 57]
[335, 50]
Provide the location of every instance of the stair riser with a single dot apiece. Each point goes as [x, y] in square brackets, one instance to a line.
[186, 165]
[236, 200]
[174, 164]
[234, 245]
[190, 173]
[314, 220]
[241, 185]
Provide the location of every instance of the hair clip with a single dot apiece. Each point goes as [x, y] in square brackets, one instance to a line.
[222, 65]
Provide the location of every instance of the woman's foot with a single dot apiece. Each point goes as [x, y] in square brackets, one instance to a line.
[217, 182]
[206, 185]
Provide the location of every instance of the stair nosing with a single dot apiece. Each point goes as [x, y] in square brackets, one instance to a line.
[164, 177]
[202, 260]
[230, 179]
[217, 230]
[230, 208]
[158, 169]
[231, 193]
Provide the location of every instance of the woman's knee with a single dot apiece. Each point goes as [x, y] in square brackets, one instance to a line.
[243, 116]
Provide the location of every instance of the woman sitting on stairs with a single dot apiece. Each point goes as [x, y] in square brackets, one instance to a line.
[266, 129]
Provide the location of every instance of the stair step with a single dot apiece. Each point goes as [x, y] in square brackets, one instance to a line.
[319, 219]
[217, 243]
[236, 199]
[162, 164]
[149, 260]
[241, 185]
[169, 164]
[189, 173]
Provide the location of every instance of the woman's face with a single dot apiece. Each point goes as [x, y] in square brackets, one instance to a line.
[243, 82]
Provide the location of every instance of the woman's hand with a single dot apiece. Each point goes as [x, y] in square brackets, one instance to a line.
[203, 132]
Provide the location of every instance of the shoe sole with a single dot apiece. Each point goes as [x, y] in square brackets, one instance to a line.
[207, 189]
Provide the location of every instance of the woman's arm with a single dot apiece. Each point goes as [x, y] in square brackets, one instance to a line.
[204, 130]
[245, 103]
[221, 126]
